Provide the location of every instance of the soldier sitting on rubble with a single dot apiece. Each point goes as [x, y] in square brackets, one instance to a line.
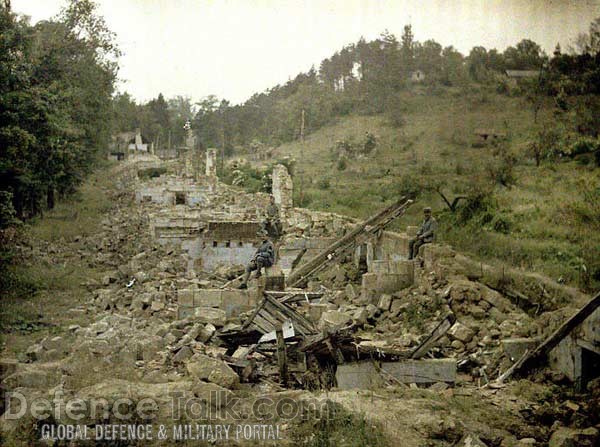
[264, 257]
[425, 235]
[272, 225]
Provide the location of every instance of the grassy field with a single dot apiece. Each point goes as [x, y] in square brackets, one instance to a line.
[48, 286]
[547, 221]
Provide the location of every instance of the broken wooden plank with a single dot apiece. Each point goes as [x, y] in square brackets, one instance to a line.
[281, 357]
[530, 359]
[435, 335]
[367, 375]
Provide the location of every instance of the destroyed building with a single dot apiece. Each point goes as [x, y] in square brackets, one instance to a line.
[342, 308]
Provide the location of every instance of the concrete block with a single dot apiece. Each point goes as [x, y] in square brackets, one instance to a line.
[216, 317]
[514, 348]
[385, 301]
[380, 266]
[208, 298]
[185, 297]
[184, 312]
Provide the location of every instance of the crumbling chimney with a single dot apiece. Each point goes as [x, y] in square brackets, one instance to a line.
[283, 188]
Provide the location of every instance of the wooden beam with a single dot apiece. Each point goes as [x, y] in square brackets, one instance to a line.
[382, 218]
[281, 357]
[435, 335]
[535, 357]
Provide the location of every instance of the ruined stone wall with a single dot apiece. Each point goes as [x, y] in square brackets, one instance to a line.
[211, 163]
[283, 189]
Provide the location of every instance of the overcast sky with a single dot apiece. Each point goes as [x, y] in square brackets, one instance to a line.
[234, 48]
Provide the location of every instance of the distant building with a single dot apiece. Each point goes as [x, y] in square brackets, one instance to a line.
[417, 76]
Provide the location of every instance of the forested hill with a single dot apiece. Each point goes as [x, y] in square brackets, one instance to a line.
[56, 86]
[364, 78]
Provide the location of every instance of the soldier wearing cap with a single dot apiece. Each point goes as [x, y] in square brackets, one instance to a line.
[264, 257]
[425, 235]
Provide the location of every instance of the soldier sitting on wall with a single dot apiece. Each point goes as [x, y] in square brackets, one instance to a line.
[264, 257]
[425, 235]
[272, 224]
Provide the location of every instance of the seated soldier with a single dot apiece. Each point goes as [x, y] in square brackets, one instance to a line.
[264, 257]
[425, 235]
[272, 225]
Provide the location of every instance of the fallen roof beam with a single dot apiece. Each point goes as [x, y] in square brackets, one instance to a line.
[535, 357]
[368, 228]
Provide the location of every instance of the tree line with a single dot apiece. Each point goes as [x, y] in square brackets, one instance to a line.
[57, 80]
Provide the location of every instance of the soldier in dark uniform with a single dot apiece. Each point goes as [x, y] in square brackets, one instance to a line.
[264, 257]
[425, 235]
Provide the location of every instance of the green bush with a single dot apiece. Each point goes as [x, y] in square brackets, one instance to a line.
[342, 164]
[324, 183]
[148, 173]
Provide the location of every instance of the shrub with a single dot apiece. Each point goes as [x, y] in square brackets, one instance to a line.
[148, 173]
[409, 185]
[342, 164]
[501, 169]
[324, 183]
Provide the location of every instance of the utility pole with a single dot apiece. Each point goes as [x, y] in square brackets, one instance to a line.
[222, 148]
[302, 127]
[301, 172]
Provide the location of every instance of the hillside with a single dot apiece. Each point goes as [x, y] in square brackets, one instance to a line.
[543, 221]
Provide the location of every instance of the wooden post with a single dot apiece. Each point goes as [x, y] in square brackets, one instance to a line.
[281, 358]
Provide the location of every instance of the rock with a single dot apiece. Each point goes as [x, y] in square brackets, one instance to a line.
[497, 315]
[315, 310]
[438, 387]
[351, 292]
[51, 355]
[516, 347]
[471, 440]
[216, 317]
[360, 316]
[372, 310]
[570, 437]
[203, 367]
[183, 354]
[457, 345]
[526, 442]
[34, 352]
[397, 306]
[385, 301]
[157, 305]
[57, 343]
[141, 277]
[206, 333]
[34, 377]
[460, 332]
[477, 312]
[334, 319]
